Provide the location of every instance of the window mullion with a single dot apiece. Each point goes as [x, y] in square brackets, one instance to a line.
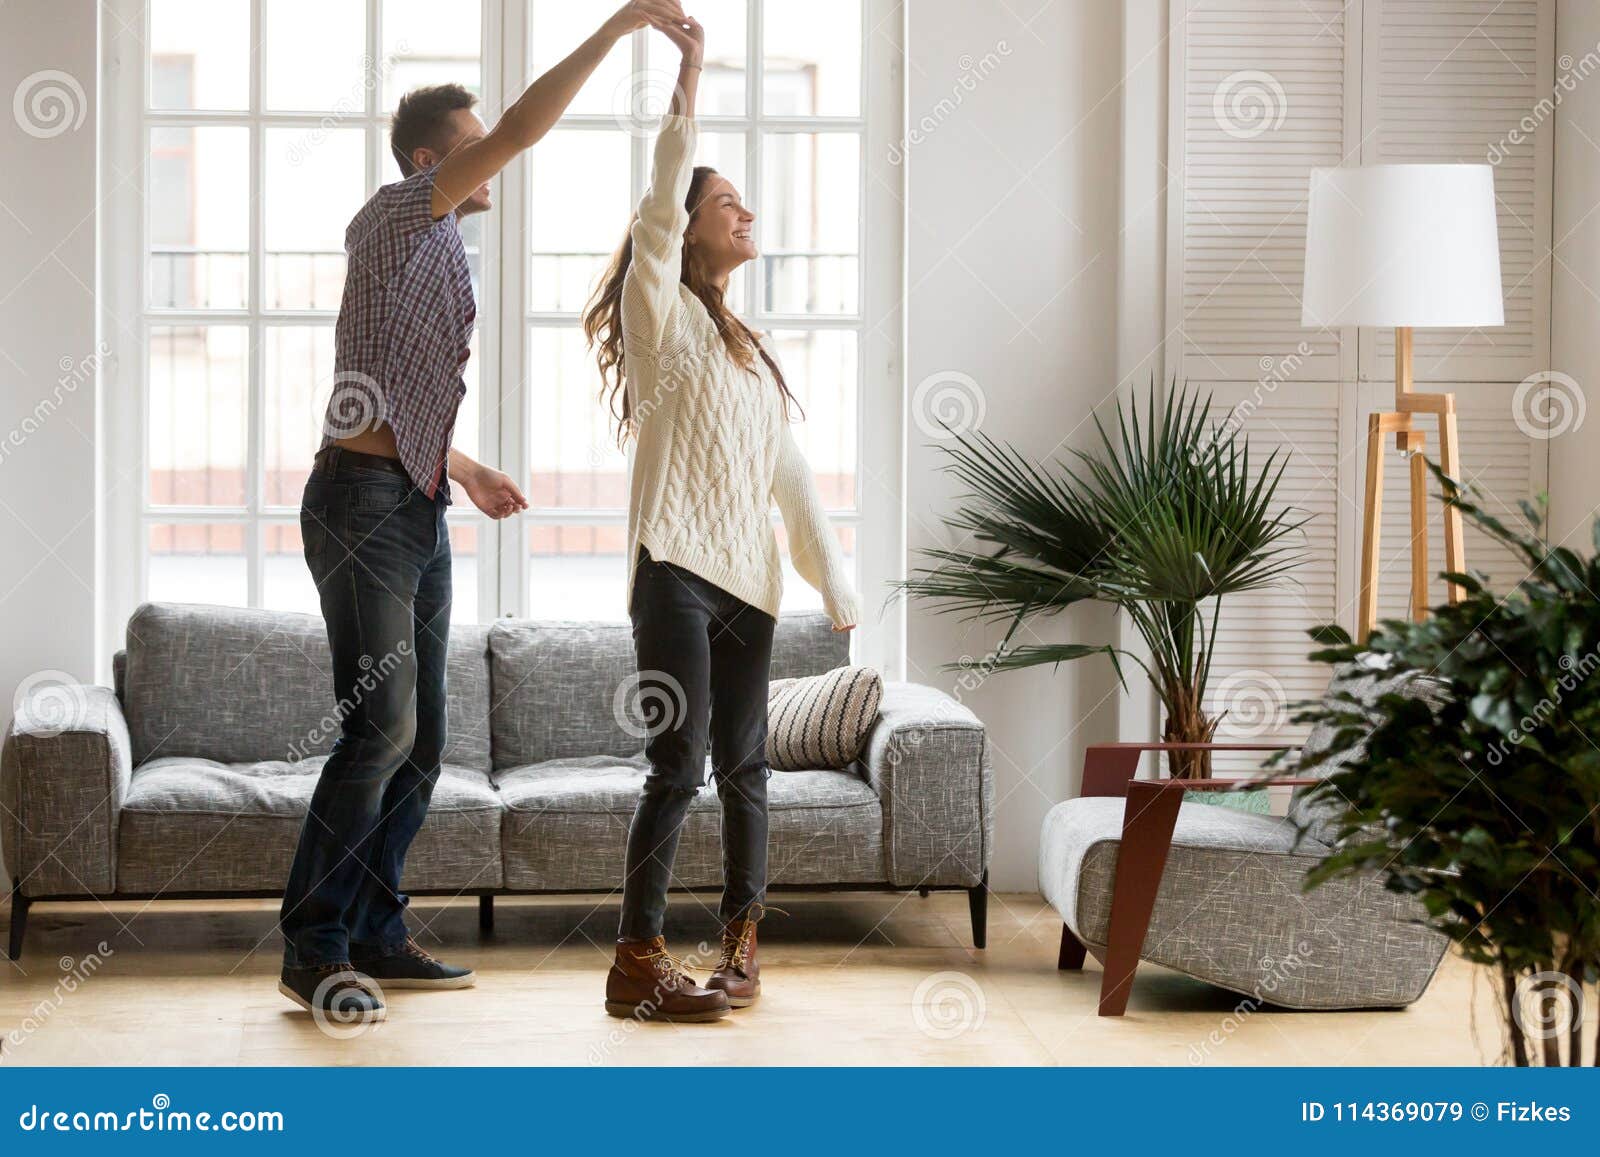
[373, 153]
[507, 29]
[255, 353]
[755, 84]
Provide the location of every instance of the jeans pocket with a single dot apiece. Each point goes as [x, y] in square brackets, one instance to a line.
[314, 531]
[380, 497]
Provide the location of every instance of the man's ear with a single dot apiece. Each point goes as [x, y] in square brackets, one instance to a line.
[424, 158]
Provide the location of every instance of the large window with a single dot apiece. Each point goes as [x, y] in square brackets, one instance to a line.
[261, 128]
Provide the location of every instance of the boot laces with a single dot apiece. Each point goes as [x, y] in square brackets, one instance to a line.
[736, 945]
[667, 966]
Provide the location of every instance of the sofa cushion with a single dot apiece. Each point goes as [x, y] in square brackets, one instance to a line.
[555, 684]
[566, 827]
[199, 825]
[237, 686]
[821, 720]
[1232, 908]
[1317, 812]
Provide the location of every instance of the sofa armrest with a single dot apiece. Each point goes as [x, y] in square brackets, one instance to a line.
[927, 757]
[64, 772]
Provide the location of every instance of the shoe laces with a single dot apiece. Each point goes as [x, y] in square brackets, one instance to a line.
[736, 945]
[668, 966]
[356, 979]
[412, 948]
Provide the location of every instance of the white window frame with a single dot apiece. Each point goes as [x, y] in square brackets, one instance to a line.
[126, 318]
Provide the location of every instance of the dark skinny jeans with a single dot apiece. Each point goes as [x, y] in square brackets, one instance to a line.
[703, 658]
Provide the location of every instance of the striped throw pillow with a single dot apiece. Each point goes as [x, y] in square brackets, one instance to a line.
[821, 721]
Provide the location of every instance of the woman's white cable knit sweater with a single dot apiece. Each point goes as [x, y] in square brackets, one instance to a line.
[713, 449]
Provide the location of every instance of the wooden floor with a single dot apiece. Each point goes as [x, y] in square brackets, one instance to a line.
[850, 979]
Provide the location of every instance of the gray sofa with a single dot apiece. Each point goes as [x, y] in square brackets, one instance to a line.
[1231, 907]
[191, 777]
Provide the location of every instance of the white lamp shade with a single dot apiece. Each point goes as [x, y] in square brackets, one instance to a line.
[1402, 245]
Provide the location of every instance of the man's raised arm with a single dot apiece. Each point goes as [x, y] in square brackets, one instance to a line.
[540, 106]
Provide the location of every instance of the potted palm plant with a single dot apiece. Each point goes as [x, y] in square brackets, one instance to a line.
[1164, 520]
[1485, 802]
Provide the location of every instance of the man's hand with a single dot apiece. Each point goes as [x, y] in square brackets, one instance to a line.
[472, 163]
[493, 492]
[641, 14]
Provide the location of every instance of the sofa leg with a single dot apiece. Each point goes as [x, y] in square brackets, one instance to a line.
[19, 923]
[1072, 950]
[486, 913]
[923, 892]
[978, 902]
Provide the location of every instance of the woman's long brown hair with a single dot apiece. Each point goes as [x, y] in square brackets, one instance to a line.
[602, 319]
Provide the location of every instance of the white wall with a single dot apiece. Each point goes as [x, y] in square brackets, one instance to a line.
[47, 321]
[1575, 276]
[1012, 250]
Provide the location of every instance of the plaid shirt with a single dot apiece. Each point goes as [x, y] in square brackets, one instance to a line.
[403, 329]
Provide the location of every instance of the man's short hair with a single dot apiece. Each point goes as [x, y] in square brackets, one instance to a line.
[422, 119]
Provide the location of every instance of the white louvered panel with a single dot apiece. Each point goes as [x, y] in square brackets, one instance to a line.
[1260, 98]
[1498, 458]
[1261, 646]
[1450, 81]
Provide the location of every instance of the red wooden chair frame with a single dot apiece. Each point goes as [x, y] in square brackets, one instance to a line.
[1148, 819]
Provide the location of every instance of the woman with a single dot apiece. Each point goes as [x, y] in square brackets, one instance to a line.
[708, 409]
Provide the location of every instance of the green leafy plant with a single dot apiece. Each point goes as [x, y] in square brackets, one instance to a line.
[1487, 806]
[1167, 518]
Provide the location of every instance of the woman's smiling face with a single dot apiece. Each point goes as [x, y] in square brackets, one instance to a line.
[721, 230]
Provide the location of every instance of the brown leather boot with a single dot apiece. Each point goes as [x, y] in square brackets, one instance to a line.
[738, 973]
[646, 982]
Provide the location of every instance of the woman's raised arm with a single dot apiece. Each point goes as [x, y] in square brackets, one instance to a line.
[652, 289]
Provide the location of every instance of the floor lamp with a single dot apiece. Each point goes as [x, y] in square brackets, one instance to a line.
[1404, 246]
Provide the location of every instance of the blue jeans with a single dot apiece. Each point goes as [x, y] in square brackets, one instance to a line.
[379, 551]
[704, 658]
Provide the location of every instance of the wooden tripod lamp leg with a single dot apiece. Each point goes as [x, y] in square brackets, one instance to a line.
[1413, 442]
[1455, 551]
[1371, 517]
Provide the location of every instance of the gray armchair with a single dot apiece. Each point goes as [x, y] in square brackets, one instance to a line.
[1219, 894]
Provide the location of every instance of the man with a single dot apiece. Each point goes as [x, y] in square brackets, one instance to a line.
[373, 523]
